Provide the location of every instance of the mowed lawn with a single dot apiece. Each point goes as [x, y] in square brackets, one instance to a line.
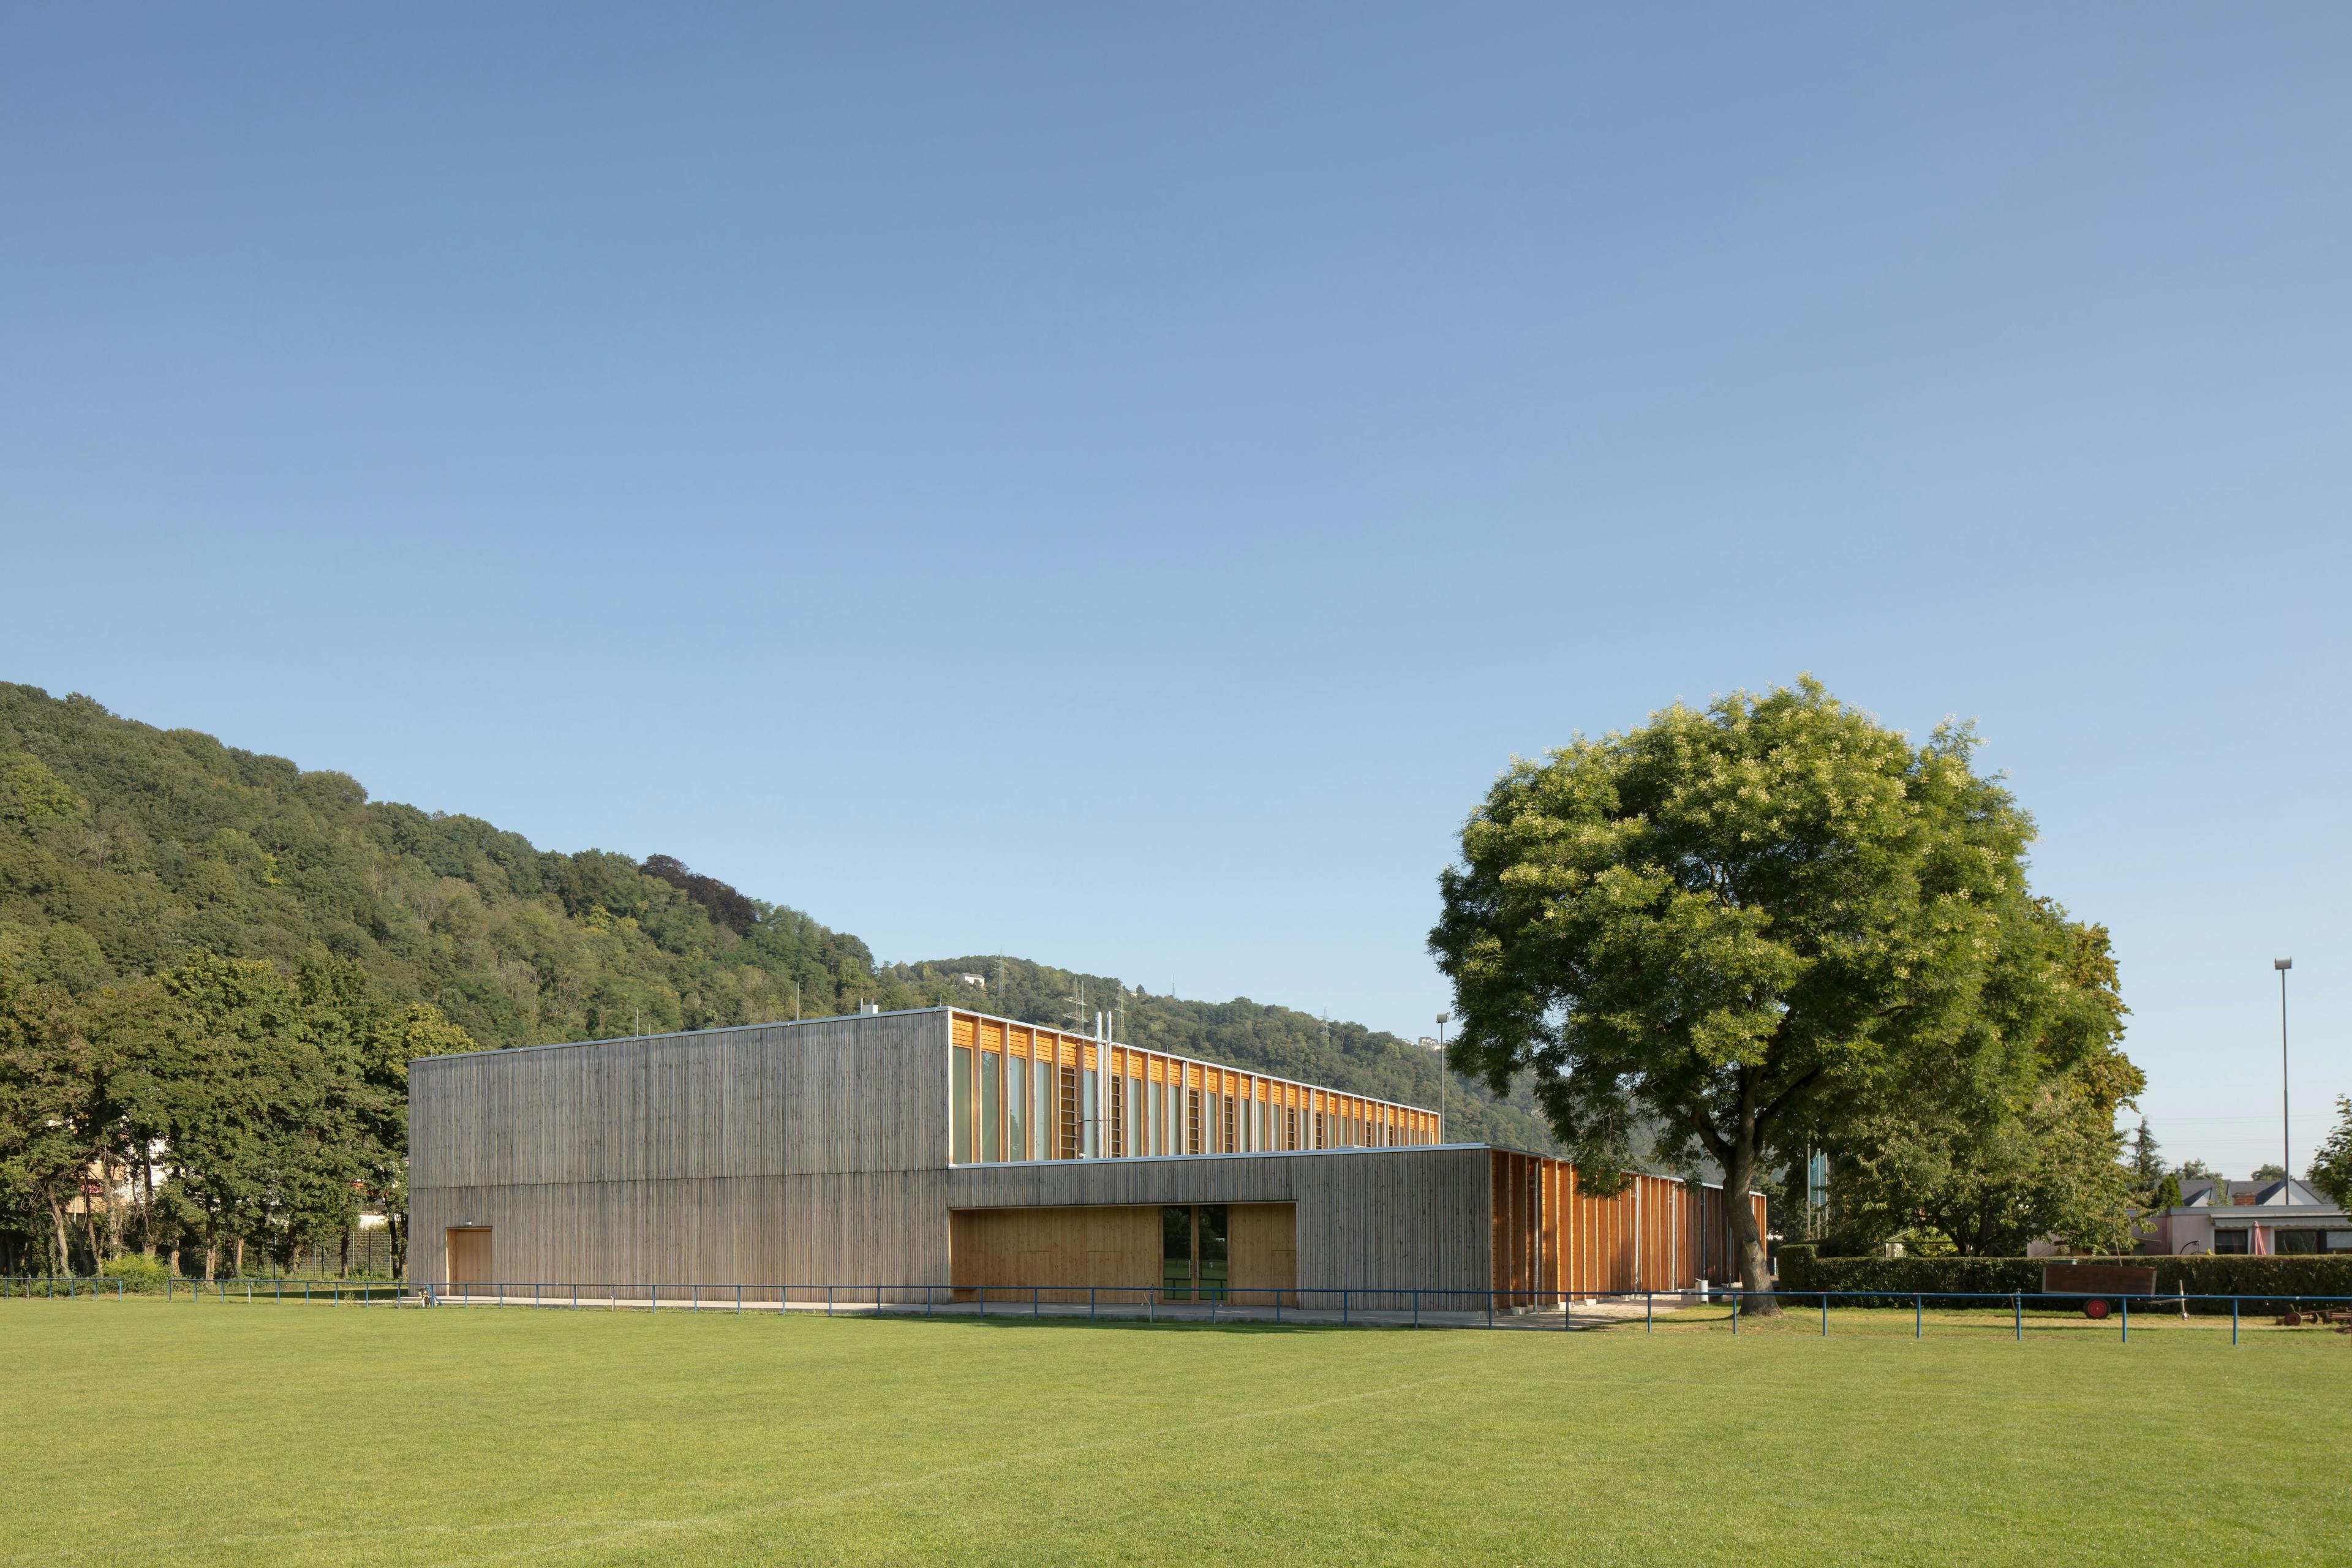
[143, 1432]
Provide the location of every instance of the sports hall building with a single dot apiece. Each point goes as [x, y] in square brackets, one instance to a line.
[895, 1151]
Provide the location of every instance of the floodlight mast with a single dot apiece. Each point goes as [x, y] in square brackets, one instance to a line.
[2287, 1138]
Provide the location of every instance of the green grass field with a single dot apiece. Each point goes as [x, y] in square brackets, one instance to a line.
[143, 1432]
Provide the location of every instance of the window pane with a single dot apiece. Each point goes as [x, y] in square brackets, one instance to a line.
[960, 1102]
[1213, 1250]
[1211, 1103]
[992, 1105]
[1176, 1248]
[1042, 1112]
[1016, 1101]
[1135, 1144]
[1089, 1111]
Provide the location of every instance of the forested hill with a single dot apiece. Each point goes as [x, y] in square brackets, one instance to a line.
[123, 849]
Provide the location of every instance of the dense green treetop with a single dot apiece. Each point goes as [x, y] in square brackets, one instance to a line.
[2331, 1168]
[1758, 924]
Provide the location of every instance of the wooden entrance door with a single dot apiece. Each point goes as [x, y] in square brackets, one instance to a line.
[1262, 1242]
[470, 1255]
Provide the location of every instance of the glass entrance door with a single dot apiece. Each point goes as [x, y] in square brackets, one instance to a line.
[1193, 1252]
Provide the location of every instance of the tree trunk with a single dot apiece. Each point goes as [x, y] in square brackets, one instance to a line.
[343, 1269]
[58, 1219]
[239, 1273]
[146, 1205]
[1746, 1236]
[212, 1254]
[98, 1252]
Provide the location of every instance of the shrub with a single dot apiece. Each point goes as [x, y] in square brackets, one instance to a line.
[140, 1274]
[2268, 1278]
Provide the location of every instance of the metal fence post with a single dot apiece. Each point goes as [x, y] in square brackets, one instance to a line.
[2017, 1306]
[1919, 1320]
[2234, 1319]
[927, 1300]
[2126, 1318]
[1037, 1296]
[1825, 1314]
[1416, 1308]
[1735, 1315]
[1090, 1303]
[1649, 1312]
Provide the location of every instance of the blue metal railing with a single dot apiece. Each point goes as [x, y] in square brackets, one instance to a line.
[1346, 1305]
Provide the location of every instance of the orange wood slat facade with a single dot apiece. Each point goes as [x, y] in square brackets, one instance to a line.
[1553, 1239]
[1324, 1119]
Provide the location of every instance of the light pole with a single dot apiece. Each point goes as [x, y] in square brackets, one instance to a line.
[2286, 1139]
[1442, 1018]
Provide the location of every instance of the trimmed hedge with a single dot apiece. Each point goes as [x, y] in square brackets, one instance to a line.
[2271, 1279]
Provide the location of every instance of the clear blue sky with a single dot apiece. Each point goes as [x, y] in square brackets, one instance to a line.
[1116, 486]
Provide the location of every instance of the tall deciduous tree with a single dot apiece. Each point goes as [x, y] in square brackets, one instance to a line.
[1742, 923]
[2015, 1141]
[2331, 1168]
[48, 1129]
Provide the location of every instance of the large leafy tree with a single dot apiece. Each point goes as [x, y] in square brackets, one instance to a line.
[1748, 925]
[49, 1126]
[1989, 1149]
[2331, 1168]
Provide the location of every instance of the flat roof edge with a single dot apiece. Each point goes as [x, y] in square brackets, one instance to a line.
[678, 1034]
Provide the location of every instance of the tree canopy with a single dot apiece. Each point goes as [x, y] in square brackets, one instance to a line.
[2331, 1168]
[1761, 925]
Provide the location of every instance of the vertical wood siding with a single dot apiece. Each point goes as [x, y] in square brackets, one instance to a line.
[778, 1154]
[817, 1153]
[1551, 1237]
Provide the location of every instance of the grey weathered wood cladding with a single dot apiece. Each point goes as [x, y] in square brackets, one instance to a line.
[800, 1152]
[816, 1153]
